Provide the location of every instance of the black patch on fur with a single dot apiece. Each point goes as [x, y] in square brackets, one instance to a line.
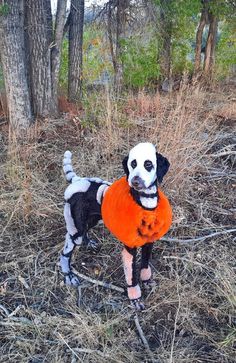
[146, 254]
[75, 236]
[162, 166]
[133, 163]
[148, 165]
[125, 166]
[85, 210]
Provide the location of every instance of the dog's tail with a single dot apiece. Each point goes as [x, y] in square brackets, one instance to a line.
[71, 177]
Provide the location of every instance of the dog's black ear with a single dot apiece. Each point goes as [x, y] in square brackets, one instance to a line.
[162, 167]
[125, 166]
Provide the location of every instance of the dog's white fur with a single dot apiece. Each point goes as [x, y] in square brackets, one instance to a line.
[140, 153]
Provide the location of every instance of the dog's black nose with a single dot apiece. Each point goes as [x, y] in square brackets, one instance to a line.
[137, 182]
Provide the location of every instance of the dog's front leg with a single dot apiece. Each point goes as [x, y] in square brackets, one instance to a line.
[146, 272]
[133, 288]
[65, 260]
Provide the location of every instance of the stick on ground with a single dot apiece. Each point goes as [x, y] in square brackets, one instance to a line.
[107, 285]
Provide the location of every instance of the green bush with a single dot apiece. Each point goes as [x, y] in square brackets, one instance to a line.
[96, 57]
[226, 51]
[140, 61]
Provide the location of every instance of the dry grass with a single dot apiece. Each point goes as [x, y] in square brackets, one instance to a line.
[190, 316]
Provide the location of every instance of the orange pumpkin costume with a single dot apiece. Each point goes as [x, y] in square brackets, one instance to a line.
[133, 225]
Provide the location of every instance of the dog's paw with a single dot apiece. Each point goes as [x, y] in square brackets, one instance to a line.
[90, 244]
[148, 284]
[134, 295]
[71, 279]
[93, 245]
[137, 304]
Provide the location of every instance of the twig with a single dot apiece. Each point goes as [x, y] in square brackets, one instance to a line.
[36, 262]
[14, 312]
[143, 338]
[226, 150]
[4, 309]
[72, 350]
[107, 285]
[175, 326]
[223, 153]
[186, 260]
[83, 350]
[198, 239]
[17, 320]
[91, 351]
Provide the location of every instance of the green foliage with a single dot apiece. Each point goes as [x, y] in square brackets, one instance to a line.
[140, 51]
[4, 9]
[226, 51]
[182, 57]
[140, 61]
[184, 23]
[63, 76]
[96, 57]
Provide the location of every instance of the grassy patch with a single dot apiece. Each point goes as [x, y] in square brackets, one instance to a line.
[190, 315]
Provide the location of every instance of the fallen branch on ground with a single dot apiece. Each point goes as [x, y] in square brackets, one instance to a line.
[198, 239]
[143, 338]
[107, 285]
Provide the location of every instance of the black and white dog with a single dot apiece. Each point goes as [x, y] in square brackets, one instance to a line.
[145, 169]
[82, 211]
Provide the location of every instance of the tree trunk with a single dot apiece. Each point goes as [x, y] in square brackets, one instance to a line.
[165, 32]
[210, 45]
[110, 37]
[201, 25]
[40, 38]
[120, 30]
[13, 63]
[56, 50]
[75, 50]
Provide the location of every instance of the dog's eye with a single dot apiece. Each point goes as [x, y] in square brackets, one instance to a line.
[133, 163]
[148, 165]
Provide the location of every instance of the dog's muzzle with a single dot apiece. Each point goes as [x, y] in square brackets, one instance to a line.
[137, 183]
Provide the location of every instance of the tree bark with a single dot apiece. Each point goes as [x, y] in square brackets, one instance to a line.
[110, 37]
[40, 38]
[201, 26]
[56, 50]
[165, 33]
[120, 30]
[75, 50]
[13, 63]
[210, 45]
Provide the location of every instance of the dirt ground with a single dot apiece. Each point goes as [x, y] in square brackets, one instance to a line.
[190, 313]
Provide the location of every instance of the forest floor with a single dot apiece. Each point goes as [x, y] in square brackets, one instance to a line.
[190, 314]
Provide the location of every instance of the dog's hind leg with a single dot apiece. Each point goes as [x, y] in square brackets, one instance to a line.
[65, 260]
[90, 244]
[73, 239]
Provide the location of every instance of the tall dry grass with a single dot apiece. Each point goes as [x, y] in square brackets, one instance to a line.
[190, 315]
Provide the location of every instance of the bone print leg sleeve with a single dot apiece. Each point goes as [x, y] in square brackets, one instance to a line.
[133, 288]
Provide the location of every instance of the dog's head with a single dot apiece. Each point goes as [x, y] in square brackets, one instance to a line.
[143, 166]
